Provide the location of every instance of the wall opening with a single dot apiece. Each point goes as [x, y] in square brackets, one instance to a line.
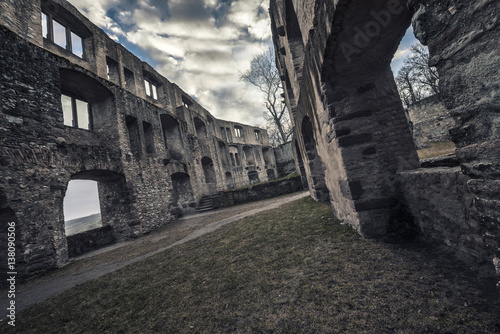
[134, 136]
[249, 155]
[208, 170]
[253, 177]
[129, 80]
[238, 132]
[271, 175]
[229, 181]
[233, 152]
[148, 137]
[183, 201]
[266, 153]
[82, 210]
[201, 130]
[172, 137]
[223, 154]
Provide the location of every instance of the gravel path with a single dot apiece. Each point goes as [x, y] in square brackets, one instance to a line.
[106, 260]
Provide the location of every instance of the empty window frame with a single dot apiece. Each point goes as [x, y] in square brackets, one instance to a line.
[257, 134]
[148, 137]
[60, 34]
[238, 131]
[151, 89]
[112, 69]
[76, 112]
[129, 79]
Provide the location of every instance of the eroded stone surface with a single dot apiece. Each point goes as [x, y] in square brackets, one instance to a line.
[153, 150]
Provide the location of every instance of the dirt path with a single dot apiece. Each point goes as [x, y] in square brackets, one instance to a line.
[106, 260]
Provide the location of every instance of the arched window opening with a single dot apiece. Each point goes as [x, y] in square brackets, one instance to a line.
[238, 131]
[266, 153]
[201, 129]
[87, 104]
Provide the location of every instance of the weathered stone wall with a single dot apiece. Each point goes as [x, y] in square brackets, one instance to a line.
[443, 207]
[138, 146]
[431, 121]
[285, 159]
[258, 192]
[84, 242]
[334, 60]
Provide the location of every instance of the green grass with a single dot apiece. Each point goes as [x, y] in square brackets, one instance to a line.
[437, 149]
[290, 270]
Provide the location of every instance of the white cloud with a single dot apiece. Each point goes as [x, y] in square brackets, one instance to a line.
[401, 53]
[201, 45]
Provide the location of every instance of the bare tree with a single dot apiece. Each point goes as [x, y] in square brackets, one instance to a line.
[264, 75]
[416, 79]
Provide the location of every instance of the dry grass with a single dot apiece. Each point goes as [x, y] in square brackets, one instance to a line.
[290, 270]
[437, 150]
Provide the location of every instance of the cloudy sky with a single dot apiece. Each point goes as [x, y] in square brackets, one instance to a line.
[201, 45]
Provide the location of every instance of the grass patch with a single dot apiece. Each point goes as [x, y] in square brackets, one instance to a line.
[437, 149]
[291, 176]
[290, 270]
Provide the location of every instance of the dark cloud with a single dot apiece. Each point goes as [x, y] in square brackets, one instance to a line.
[189, 10]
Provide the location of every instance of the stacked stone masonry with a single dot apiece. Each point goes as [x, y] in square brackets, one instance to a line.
[353, 144]
[153, 150]
[431, 122]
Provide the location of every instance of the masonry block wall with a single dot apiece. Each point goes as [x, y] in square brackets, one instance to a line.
[86, 108]
[431, 122]
[351, 132]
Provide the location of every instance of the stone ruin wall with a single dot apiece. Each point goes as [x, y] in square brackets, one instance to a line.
[153, 158]
[431, 122]
[353, 143]
[285, 159]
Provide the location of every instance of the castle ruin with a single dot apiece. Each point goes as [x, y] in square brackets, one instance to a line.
[83, 107]
[353, 142]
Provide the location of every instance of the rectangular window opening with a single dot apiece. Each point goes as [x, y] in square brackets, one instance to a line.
[76, 113]
[76, 45]
[45, 27]
[59, 34]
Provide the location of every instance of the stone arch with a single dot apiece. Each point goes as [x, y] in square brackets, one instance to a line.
[172, 137]
[208, 170]
[316, 180]
[114, 199]
[183, 200]
[370, 140]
